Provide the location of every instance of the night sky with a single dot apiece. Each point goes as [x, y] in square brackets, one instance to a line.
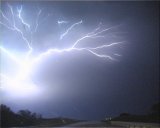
[78, 84]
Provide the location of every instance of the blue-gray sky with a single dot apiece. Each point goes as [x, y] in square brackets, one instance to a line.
[79, 84]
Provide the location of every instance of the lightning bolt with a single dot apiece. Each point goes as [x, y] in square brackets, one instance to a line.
[11, 55]
[14, 27]
[62, 22]
[5, 17]
[26, 64]
[37, 20]
[69, 29]
[20, 17]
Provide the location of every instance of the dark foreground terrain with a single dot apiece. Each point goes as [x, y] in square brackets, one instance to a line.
[25, 118]
[110, 124]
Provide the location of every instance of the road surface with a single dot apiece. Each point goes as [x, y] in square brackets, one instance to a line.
[92, 124]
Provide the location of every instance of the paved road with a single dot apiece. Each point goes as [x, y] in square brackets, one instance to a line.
[92, 124]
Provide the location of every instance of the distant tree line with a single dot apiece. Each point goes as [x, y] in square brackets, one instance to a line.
[23, 118]
[152, 116]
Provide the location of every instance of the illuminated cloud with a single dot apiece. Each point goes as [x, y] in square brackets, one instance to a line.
[16, 83]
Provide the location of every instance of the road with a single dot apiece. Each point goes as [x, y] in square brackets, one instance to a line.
[92, 124]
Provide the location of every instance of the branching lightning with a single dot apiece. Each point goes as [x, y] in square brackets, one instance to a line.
[62, 22]
[25, 65]
[37, 20]
[20, 17]
[69, 29]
